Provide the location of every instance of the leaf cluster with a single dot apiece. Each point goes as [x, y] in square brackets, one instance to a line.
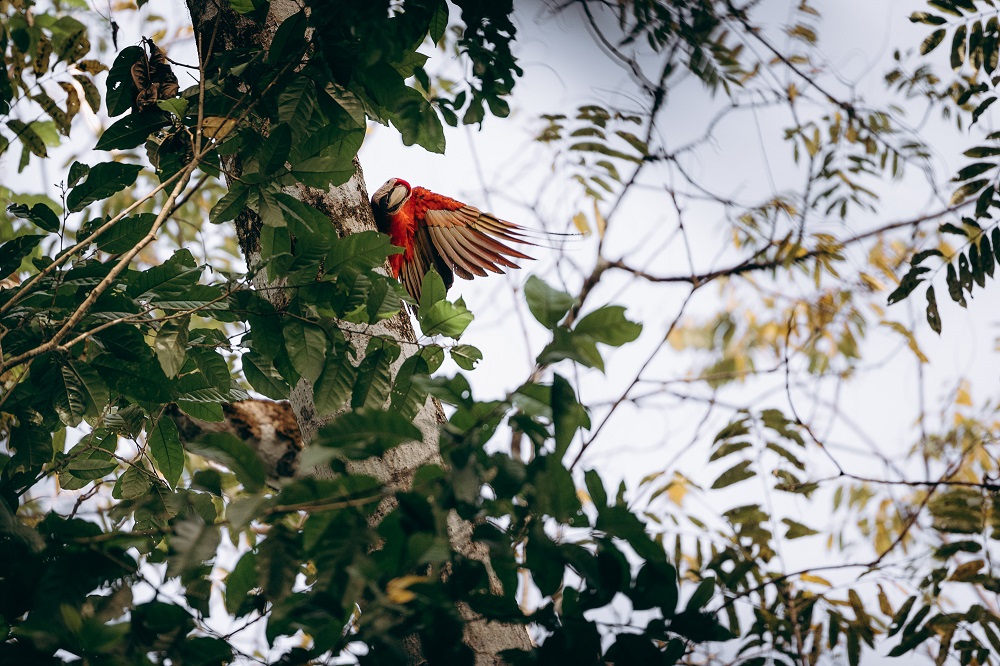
[44, 71]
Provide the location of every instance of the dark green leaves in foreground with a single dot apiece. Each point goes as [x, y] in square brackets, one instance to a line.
[102, 181]
[438, 316]
[361, 434]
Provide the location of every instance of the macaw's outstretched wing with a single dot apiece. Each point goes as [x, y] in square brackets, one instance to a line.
[472, 242]
[412, 272]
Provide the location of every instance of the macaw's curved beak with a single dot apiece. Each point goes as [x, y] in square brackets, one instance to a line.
[396, 196]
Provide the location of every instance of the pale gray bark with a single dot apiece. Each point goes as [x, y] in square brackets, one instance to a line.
[349, 211]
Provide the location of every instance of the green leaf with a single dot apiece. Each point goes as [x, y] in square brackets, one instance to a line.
[986, 255]
[274, 151]
[230, 205]
[568, 415]
[304, 221]
[228, 450]
[92, 387]
[978, 271]
[126, 233]
[911, 642]
[555, 493]
[985, 200]
[964, 273]
[906, 286]
[967, 190]
[991, 54]
[738, 472]
[69, 399]
[90, 92]
[252, 8]
[165, 446]
[973, 170]
[95, 447]
[702, 595]
[609, 326]
[958, 47]
[371, 390]
[439, 22]
[270, 213]
[240, 581]
[306, 344]
[177, 106]
[172, 279]
[132, 130]
[131, 485]
[39, 214]
[69, 39]
[265, 379]
[437, 316]
[32, 447]
[212, 365]
[418, 122]
[444, 318]
[929, 19]
[192, 543]
[203, 411]
[595, 486]
[27, 134]
[333, 388]
[13, 252]
[171, 345]
[363, 433]
[982, 151]
[600, 148]
[954, 286]
[466, 356]
[278, 563]
[119, 81]
[334, 142]
[77, 172]
[103, 180]
[289, 39]
[797, 530]
[323, 171]
[408, 391]
[546, 304]
[566, 346]
[361, 251]
[899, 619]
[432, 289]
[979, 110]
[932, 41]
[296, 104]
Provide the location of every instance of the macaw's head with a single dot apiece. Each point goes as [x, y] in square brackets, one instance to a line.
[387, 201]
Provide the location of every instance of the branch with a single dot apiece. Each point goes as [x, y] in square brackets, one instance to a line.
[109, 279]
[748, 266]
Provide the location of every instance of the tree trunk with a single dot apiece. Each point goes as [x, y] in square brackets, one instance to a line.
[266, 425]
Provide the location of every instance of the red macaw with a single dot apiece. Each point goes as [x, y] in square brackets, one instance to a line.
[434, 230]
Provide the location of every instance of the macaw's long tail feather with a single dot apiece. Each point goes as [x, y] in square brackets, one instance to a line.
[537, 237]
[515, 233]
